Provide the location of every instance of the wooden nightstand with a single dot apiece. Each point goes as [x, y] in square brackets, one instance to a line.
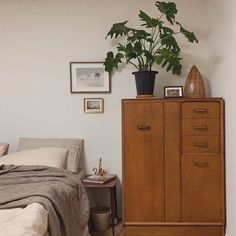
[113, 201]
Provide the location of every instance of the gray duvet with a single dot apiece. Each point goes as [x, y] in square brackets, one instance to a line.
[59, 191]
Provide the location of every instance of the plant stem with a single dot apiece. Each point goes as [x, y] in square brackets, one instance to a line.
[143, 43]
[140, 60]
[133, 65]
[155, 44]
[157, 50]
[152, 38]
[161, 16]
[165, 38]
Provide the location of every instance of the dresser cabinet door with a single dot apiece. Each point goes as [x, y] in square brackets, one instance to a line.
[143, 177]
[202, 188]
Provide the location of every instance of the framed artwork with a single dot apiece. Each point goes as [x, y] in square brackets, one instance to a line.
[93, 105]
[173, 91]
[89, 77]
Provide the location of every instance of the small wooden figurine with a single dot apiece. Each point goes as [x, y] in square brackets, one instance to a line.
[100, 171]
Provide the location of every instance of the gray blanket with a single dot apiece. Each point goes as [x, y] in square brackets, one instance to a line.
[59, 191]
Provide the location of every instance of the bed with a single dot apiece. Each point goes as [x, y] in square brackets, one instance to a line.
[40, 189]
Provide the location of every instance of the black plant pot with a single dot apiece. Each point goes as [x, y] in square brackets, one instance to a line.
[145, 81]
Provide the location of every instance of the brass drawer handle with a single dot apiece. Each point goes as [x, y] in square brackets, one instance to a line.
[200, 110]
[201, 164]
[200, 128]
[200, 145]
[143, 127]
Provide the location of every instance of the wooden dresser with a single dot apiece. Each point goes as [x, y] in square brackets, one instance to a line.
[173, 167]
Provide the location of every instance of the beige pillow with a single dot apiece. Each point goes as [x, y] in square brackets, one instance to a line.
[3, 148]
[74, 146]
[55, 157]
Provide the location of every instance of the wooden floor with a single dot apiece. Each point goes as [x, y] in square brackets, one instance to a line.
[118, 231]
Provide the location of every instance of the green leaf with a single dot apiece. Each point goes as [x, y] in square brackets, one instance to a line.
[112, 61]
[167, 39]
[189, 35]
[121, 48]
[130, 55]
[148, 55]
[158, 59]
[138, 48]
[150, 59]
[170, 59]
[129, 47]
[141, 34]
[130, 52]
[166, 30]
[138, 35]
[118, 29]
[170, 43]
[168, 9]
[148, 21]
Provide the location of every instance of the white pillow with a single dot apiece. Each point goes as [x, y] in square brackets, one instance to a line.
[74, 146]
[3, 148]
[55, 157]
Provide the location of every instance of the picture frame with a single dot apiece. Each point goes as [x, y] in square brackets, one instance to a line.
[89, 77]
[93, 105]
[173, 91]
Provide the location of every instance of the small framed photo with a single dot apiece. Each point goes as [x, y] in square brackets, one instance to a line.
[89, 77]
[93, 105]
[173, 91]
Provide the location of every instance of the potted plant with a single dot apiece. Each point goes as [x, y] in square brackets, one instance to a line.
[155, 44]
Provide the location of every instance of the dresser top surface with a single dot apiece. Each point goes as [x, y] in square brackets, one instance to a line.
[181, 99]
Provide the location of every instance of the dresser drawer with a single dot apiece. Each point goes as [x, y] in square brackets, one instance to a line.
[201, 144]
[200, 110]
[201, 188]
[174, 230]
[201, 127]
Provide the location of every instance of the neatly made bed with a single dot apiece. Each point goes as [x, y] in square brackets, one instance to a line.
[37, 187]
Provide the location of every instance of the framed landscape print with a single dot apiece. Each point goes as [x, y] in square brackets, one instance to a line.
[173, 91]
[89, 77]
[93, 105]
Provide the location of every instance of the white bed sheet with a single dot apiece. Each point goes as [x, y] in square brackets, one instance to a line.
[29, 221]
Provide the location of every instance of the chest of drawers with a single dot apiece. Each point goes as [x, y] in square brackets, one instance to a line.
[173, 167]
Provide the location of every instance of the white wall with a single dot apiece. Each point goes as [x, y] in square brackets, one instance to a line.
[222, 57]
[40, 38]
